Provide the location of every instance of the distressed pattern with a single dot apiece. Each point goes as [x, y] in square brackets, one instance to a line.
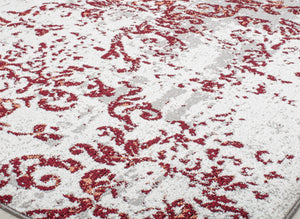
[149, 109]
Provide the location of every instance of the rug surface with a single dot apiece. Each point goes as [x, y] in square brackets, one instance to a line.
[150, 108]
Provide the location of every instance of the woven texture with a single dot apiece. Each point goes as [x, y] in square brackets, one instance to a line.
[150, 108]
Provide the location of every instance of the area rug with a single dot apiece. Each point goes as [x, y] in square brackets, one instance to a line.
[150, 108]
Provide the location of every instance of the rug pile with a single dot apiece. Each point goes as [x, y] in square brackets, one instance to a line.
[150, 108]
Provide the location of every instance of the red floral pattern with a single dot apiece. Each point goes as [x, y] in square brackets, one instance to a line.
[149, 109]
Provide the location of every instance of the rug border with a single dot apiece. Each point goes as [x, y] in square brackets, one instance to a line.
[13, 212]
[17, 214]
[293, 210]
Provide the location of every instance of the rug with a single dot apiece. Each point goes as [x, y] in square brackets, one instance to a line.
[150, 108]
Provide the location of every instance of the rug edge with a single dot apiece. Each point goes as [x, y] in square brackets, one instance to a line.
[13, 211]
[293, 210]
[289, 215]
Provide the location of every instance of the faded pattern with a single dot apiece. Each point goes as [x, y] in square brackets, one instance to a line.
[150, 108]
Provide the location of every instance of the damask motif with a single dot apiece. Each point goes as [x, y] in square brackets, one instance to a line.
[150, 108]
